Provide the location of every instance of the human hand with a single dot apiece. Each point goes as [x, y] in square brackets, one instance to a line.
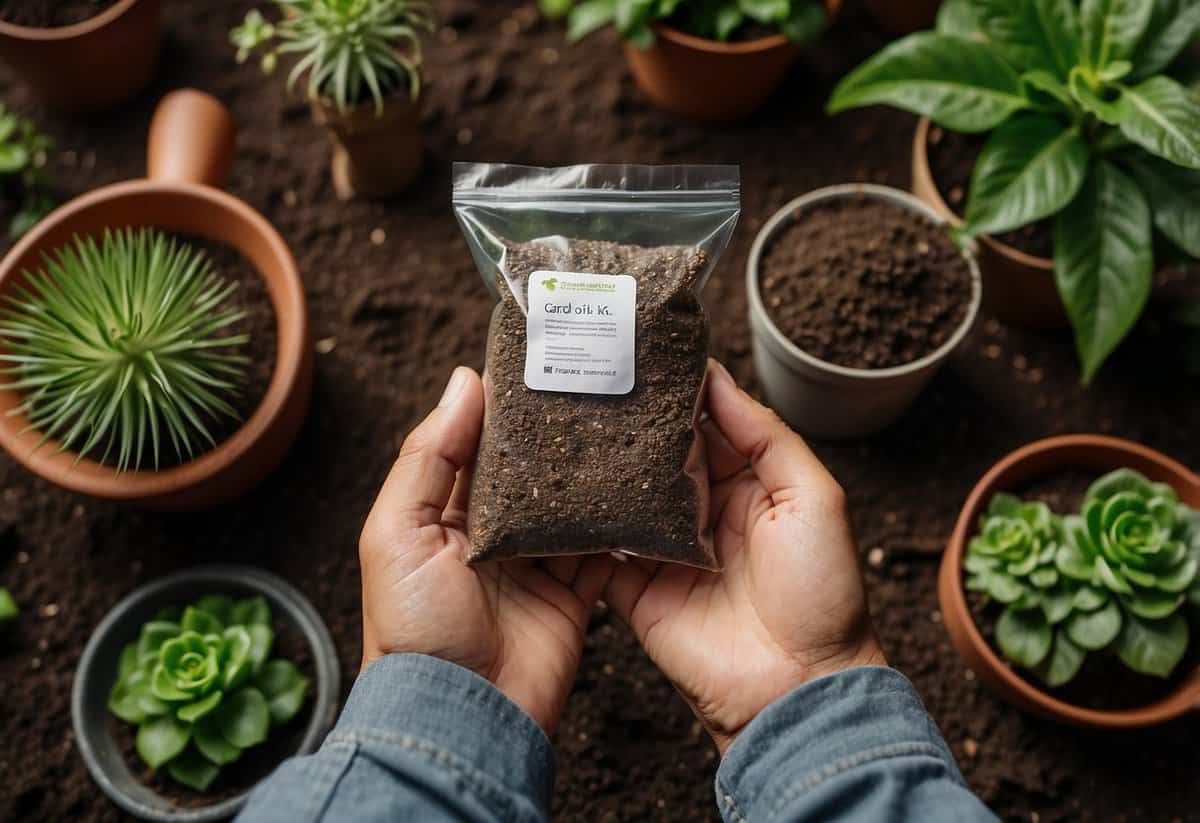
[789, 605]
[519, 624]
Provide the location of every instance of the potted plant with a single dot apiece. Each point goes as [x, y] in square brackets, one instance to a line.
[858, 294]
[194, 687]
[82, 56]
[1051, 607]
[132, 366]
[362, 61]
[1085, 130]
[704, 60]
[23, 155]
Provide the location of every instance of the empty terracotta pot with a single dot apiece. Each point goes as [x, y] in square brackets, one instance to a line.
[709, 80]
[1018, 288]
[374, 155]
[191, 148]
[905, 16]
[90, 65]
[1079, 451]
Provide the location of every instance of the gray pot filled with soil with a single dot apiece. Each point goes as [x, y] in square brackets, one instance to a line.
[857, 295]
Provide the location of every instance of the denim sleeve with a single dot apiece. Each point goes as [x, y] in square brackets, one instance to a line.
[419, 739]
[852, 747]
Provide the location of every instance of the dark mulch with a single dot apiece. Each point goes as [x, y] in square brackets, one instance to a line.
[396, 302]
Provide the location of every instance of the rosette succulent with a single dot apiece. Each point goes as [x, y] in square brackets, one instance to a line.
[200, 687]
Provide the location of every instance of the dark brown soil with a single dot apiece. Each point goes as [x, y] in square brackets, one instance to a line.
[395, 302]
[45, 14]
[564, 473]
[255, 763]
[865, 284]
[952, 160]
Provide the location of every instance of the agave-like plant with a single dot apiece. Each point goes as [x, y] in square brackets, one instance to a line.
[352, 49]
[114, 343]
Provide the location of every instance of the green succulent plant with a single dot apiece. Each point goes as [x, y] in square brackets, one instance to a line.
[118, 342]
[8, 607]
[351, 50]
[803, 21]
[23, 155]
[200, 687]
[1086, 128]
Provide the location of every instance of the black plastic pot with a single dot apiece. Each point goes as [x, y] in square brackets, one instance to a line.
[97, 671]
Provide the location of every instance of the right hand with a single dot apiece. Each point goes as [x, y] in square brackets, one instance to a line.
[790, 604]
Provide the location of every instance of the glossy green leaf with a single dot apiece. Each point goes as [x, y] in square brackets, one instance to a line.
[1162, 117]
[1024, 636]
[8, 607]
[162, 739]
[1043, 578]
[252, 610]
[236, 664]
[1103, 261]
[806, 23]
[630, 15]
[1174, 195]
[1152, 604]
[219, 606]
[1095, 630]
[962, 85]
[244, 718]
[727, 21]
[1088, 598]
[1004, 588]
[1056, 90]
[765, 11]
[201, 622]
[1173, 24]
[128, 662]
[201, 708]
[261, 639]
[957, 18]
[125, 697]
[1032, 34]
[587, 17]
[1057, 604]
[1072, 564]
[285, 689]
[1112, 29]
[192, 770]
[152, 636]
[1153, 647]
[213, 745]
[1031, 167]
[1063, 662]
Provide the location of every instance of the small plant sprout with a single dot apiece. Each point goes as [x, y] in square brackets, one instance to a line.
[1087, 127]
[1114, 577]
[8, 608]
[351, 50]
[200, 687]
[23, 155]
[803, 21]
[121, 345]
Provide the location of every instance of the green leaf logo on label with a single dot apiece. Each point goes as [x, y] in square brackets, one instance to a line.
[551, 283]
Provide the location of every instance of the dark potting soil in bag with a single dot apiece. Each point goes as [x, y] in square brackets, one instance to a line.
[596, 356]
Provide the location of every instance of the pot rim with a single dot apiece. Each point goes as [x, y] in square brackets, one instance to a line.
[887, 194]
[921, 167]
[296, 609]
[69, 31]
[761, 44]
[1059, 451]
[291, 321]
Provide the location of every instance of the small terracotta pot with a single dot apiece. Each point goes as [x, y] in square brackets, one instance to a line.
[708, 80]
[1018, 288]
[191, 147]
[905, 16]
[374, 155]
[90, 65]
[1084, 451]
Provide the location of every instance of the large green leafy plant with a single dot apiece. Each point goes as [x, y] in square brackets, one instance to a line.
[200, 687]
[801, 20]
[351, 50]
[121, 344]
[1085, 128]
[23, 154]
[1114, 577]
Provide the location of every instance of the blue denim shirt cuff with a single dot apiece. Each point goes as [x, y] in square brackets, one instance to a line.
[453, 719]
[820, 731]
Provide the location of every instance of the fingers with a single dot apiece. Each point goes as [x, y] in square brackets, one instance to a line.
[781, 460]
[419, 486]
[625, 588]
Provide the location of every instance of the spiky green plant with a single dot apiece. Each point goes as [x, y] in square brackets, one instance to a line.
[114, 343]
[351, 50]
[24, 152]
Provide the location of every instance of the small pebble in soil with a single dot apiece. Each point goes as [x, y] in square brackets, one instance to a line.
[875, 557]
[50, 610]
[970, 747]
[378, 236]
[325, 345]
[465, 136]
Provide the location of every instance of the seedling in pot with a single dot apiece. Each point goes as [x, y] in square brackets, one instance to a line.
[23, 154]
[1114, 577]
[122, 347]
[199, 685]
[1086, 128]
[803, 21]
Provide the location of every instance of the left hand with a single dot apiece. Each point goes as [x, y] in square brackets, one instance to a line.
[519, 624]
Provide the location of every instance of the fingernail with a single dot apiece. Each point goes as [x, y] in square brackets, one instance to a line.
[458, 382]
[722, 372]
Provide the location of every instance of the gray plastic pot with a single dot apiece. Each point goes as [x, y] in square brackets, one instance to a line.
[823, 399]
[97, 671]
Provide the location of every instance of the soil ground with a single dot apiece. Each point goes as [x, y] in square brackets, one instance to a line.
[395, 302]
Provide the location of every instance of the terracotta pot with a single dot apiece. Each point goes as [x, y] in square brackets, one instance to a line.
[90, 65]
[374, 155]
[708, 80]
[191, 147]
[905, 16]
[1094, 452]
[1018, 288]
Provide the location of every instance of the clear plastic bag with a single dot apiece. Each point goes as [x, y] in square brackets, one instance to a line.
[596, 356]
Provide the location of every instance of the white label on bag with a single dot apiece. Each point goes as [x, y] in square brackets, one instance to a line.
[580, 332]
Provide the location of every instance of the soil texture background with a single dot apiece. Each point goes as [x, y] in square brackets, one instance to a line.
[396, 302]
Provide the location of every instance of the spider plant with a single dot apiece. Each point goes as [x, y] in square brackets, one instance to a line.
[351, 49]
[116, 343]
